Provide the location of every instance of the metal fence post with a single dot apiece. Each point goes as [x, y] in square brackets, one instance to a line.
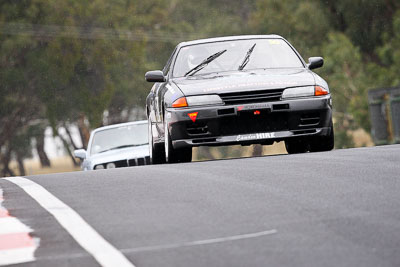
[395, 112]
[379, 116]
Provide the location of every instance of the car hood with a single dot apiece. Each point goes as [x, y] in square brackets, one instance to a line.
[120, 154]
[244, 81]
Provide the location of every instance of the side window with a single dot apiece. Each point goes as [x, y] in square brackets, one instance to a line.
[168, 65]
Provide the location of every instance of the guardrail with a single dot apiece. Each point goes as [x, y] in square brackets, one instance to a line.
[384, 109]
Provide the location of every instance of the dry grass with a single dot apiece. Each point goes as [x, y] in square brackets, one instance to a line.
[32, 167]
[361, 138]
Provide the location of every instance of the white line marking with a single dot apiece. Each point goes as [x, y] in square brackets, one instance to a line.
[201, 242]
[18, 255]
[10, 225]
[82, 232]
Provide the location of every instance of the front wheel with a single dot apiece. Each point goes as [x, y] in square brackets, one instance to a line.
[156, 151]
[175, 155]
[323, 143]
[295, 146]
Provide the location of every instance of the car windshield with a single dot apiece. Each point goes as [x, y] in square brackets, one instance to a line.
[267, 54]
[120, 137]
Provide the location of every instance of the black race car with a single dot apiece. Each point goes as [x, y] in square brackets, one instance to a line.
[237, 90]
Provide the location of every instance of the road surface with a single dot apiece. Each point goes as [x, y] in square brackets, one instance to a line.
[338, 208]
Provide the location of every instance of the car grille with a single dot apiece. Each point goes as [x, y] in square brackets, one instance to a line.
[129, 162]
[139, 161]
[252, 96]
[247, 123]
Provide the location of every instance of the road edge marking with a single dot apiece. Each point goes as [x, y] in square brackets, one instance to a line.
[16, 243]
[12, 225]
[17, 256]
[90, 240]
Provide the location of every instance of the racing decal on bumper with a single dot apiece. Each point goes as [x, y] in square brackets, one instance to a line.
[254, 106]
[256, 136]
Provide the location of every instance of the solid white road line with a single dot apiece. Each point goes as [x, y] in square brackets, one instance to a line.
[82, 232]
[201, 242]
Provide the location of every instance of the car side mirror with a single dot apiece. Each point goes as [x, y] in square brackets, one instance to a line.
[156, 76]
[80, 153]
[315, 62]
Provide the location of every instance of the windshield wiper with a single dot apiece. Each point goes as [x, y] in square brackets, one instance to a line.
[247, 57]
[124, 146]
[204, 63]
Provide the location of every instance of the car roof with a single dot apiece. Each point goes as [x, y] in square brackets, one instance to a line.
[118, 125]
[229, 38]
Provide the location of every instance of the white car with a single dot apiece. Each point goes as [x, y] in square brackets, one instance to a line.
[115, 146]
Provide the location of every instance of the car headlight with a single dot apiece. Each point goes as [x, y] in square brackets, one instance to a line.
[99, 167]
[204, 100]
[198, 100]
[111, 165]
[304, 91]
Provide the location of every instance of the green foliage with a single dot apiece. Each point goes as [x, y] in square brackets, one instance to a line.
[387, 72]
[363, 21]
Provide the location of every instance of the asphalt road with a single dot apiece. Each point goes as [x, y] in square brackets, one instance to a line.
[339, 208]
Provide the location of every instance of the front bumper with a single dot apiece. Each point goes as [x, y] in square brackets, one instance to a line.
[145, 160]
[245, 124]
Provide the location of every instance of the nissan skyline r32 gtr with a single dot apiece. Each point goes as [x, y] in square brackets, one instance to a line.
[237, 90]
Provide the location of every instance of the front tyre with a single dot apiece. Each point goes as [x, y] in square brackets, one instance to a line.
[156, 151]
[296, 145]
[323, 143]
[175, 155]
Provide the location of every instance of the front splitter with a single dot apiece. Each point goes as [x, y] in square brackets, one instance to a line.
[254, 138]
